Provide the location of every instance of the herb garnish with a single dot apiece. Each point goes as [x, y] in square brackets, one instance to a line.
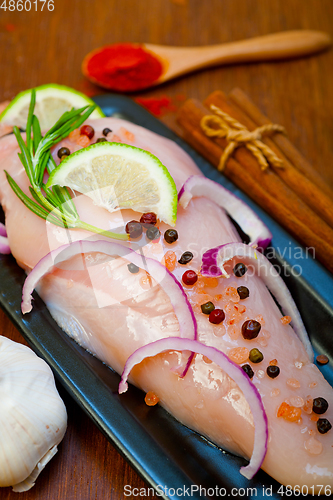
[54, 204]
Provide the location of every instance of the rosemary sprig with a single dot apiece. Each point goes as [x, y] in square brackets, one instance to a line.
[54, 204]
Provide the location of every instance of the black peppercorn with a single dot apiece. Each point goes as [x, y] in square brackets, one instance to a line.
[239, 270]
[319, 406]
[251, 329]
[153, 233]
[207, 308]
[170, 235]
[243, 292]
[106, 131]
[134, 229]
[63, 152]
[186, 258]
[248, 370]
[133, 268]
[273, 371]
[323, 425]
[101, 139]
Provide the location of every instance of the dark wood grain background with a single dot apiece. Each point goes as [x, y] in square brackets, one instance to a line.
[43, 47]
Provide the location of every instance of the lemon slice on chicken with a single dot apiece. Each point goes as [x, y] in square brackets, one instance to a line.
[118, 176]
[52, 101]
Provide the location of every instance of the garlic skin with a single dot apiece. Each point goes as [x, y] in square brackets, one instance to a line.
[33, 417]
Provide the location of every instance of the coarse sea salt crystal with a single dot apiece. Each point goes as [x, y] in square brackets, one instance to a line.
[313, 446]
[294, 383]
[297, 401]
[260, 373]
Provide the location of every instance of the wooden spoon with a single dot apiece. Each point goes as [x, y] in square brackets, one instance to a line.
[177, 61]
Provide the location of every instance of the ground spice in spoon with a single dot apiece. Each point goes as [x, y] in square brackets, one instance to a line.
[123, 67]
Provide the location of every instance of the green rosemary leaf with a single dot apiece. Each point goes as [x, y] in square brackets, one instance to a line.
[50, 197]
[51, 165]
[35, 196]
[53, 136]
[36, 132]
[66, 200]
[67, 128]
[25, 154]
[68, 115]
[55, 216]
[37, 209]
[23, 160]
[29, 122]
[41, 166]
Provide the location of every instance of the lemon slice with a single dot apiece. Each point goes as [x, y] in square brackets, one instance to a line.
[51, 102]
[118, 176]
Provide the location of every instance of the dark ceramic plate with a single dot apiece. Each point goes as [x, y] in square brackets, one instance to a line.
[170, 457]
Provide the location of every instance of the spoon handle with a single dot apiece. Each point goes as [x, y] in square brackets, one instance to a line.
[284, 45]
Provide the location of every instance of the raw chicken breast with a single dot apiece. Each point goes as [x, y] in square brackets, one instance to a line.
[112, 312]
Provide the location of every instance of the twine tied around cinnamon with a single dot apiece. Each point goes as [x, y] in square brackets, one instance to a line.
[223, 125]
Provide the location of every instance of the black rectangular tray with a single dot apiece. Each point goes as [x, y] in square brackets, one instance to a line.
[170, 457]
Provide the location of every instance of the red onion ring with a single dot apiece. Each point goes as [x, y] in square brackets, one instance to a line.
[172, 287]
[234, 371]
[4, 243]
[213, 265]
[3, 231]
[246, 218]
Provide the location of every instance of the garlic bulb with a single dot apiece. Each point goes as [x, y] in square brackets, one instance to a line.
[33, 417]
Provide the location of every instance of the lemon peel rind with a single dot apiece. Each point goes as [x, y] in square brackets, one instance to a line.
[48, 90]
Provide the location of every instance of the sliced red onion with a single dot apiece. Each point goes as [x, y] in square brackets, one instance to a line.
[246, 218]
[234, 371]
[213, 265]
[3, 231]
[171, 286]
[4, 243]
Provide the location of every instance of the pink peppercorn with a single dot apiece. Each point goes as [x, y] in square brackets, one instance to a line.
[190, 277]
[217, 316]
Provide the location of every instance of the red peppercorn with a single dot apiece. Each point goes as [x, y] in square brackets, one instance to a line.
[190, 277]
[134, 229]
[148, 219]
[88, 131]
[217, 316]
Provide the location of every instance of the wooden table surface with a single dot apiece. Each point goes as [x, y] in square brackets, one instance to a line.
[43, 47]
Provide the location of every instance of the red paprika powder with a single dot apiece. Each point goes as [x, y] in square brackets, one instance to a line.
[123, 67]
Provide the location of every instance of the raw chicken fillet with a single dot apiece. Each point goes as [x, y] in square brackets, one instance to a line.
[112, 312]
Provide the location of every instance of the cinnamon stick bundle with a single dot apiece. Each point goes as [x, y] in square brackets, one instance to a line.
[271, 193]
[240, 99]
[304, 188]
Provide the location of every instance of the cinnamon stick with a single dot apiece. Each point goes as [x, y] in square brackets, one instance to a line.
[238, 97]
[287, 214]
[268, 179]
[306, 190]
